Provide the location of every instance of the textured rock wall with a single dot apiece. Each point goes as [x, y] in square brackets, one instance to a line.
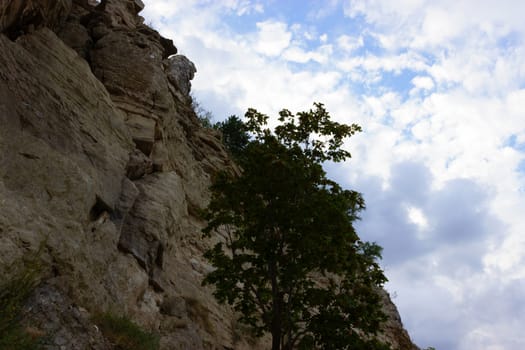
[103, 168]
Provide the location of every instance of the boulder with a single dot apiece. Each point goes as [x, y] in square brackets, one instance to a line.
[180, 72]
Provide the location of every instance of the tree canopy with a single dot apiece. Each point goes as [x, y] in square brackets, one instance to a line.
[291, 262]
[234, 134]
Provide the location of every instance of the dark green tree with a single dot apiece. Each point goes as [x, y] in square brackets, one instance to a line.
[234, 134]
[291, 262]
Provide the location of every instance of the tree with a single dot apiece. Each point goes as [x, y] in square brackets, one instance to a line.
[291, 262]
[234, 134]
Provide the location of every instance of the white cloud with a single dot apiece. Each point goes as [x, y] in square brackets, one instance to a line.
[417, 217]
[244, 7]
[272, 38]
[423, 83]
[323, 9]
[430, 24]
[155, 9]
[380, 106]
[370, 68]
[297, 54]
[350, 43]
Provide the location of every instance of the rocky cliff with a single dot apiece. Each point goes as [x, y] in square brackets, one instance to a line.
[103, 169]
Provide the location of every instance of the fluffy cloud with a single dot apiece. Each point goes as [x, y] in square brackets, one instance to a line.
[299, 55]
[350, 43]
[423, 83]
[439, 266]
[272, 38]
[430, 24]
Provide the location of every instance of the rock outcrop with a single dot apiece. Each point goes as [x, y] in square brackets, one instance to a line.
[103, 169]
[21, 17]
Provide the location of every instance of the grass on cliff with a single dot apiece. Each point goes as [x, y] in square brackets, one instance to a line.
[15, 288]
[124, 334]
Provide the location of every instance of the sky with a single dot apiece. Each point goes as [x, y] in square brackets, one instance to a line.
[439, 89]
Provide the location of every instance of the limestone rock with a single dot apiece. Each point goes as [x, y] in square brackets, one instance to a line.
[23, 16]
[169, 47]
[159, 156]
[138, 165]
[174, 306]
[59, 103]
[77, 37]
[122, 14]
[144, 236]
[180, 72]
[127, 199]
[67, 330]
[393, 331]
[137, 74]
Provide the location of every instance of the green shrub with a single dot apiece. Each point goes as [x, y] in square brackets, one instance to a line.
[124, 334]
[18, 284]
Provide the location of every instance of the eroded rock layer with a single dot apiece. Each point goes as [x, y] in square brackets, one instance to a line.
[103, 170]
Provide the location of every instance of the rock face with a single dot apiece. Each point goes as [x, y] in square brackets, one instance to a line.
[18, 17]
[103, 169]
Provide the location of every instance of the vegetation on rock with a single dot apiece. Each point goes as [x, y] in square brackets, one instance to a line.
[205, 116]
[234, 135]
[22, 279]
[124, 334]
[291, 262]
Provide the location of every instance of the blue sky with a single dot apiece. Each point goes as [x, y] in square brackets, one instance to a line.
[439, 89]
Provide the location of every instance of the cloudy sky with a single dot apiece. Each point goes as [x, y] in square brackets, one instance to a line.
[439, 89]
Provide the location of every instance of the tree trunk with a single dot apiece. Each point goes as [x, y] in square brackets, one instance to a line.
[276, 335]
[276, 308]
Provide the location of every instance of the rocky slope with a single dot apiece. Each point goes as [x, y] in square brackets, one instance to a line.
[103, 169]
